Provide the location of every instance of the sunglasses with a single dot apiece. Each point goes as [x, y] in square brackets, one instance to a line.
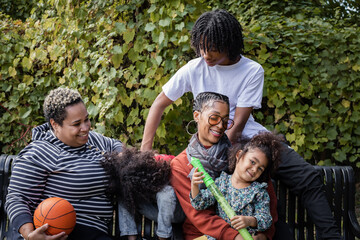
[226, 121]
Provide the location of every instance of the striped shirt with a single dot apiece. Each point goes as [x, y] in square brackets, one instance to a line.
[48, 168]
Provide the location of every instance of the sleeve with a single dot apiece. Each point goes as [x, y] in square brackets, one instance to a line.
[27, 183]
[273, 210]
[105, 143]
[178, 84]
[251, 96]
[206, 221]
[203, 200]
[262, 210]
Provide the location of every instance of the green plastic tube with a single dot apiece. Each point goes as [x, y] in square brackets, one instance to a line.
[210, 184]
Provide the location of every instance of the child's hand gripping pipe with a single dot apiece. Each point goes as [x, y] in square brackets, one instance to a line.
[210, 184]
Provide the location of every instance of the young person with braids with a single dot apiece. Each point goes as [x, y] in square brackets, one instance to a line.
[210, 144]
[250, 164]
[221, 67]
[140, 182]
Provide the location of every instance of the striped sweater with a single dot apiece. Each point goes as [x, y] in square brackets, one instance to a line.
[48, 168]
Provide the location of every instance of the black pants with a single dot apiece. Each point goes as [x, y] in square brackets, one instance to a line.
[282, 231]
[82, 232]
[302, 178]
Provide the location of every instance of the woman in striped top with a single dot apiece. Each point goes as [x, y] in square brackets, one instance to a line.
[63, 160]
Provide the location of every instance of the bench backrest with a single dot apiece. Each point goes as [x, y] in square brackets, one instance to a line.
[5, 171]
[339, 186]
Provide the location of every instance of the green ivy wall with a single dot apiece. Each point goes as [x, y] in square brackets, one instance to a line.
[118, 54]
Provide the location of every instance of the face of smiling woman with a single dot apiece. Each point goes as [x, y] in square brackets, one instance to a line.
[210, 135]
[75, 128]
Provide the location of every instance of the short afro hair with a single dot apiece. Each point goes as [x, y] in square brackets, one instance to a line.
[56, 102]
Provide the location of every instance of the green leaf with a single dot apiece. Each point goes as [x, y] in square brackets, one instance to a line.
[152, 8]
[345, 103]
[28, 79]
[117, 49]
[129, 35]
[161, 132]
[92, 109]
[149, 27]
[356, 67]
[133, 55]
[26, 63]
[120, 27]
[55, 51]
[161, 37]
[332, 133]
[117, 59]
[12, 71]
[41, 54]
[25, 112]
[165, 22]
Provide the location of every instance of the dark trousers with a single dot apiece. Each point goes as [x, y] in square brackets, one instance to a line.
[82, 232]
[303, 179]
[282, 231]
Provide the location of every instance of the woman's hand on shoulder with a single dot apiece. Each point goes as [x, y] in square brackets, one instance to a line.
[39, 234]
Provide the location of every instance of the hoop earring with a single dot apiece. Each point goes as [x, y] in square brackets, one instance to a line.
[187, 128]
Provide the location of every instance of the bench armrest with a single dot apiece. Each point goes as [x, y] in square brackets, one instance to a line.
[355, 227]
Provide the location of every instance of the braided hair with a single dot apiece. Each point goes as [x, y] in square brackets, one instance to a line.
[267, 142]
[135, 175]
[203, 100]
[218, 30]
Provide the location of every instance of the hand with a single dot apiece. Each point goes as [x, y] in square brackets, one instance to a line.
[196, 179]
[238, 222]
[259, 236]
[39, 234]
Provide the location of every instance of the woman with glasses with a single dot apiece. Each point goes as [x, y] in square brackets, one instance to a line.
[209, 144]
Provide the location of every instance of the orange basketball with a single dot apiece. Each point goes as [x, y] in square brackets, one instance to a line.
[58, 213]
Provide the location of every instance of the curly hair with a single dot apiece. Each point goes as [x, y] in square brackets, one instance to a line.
[203, 99]
[135, 175]
[218, 30]
[267, 142]
[56, 102]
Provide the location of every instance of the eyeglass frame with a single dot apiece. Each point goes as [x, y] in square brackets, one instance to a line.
[222, 120]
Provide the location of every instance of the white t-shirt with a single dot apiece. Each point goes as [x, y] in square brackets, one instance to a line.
[241, 82]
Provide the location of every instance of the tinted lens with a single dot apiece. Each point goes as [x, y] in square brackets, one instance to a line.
[230, 124]
[214, 119]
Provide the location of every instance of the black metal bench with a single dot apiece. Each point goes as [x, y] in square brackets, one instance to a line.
[339, 187]
[339, 184]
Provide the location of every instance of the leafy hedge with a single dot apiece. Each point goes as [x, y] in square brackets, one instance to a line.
[118, 54]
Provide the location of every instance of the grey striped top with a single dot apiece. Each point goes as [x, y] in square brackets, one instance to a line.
[48, 168]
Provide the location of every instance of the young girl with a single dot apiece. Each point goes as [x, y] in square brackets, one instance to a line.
[250, 166]
[140, 182]
[135, 175]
